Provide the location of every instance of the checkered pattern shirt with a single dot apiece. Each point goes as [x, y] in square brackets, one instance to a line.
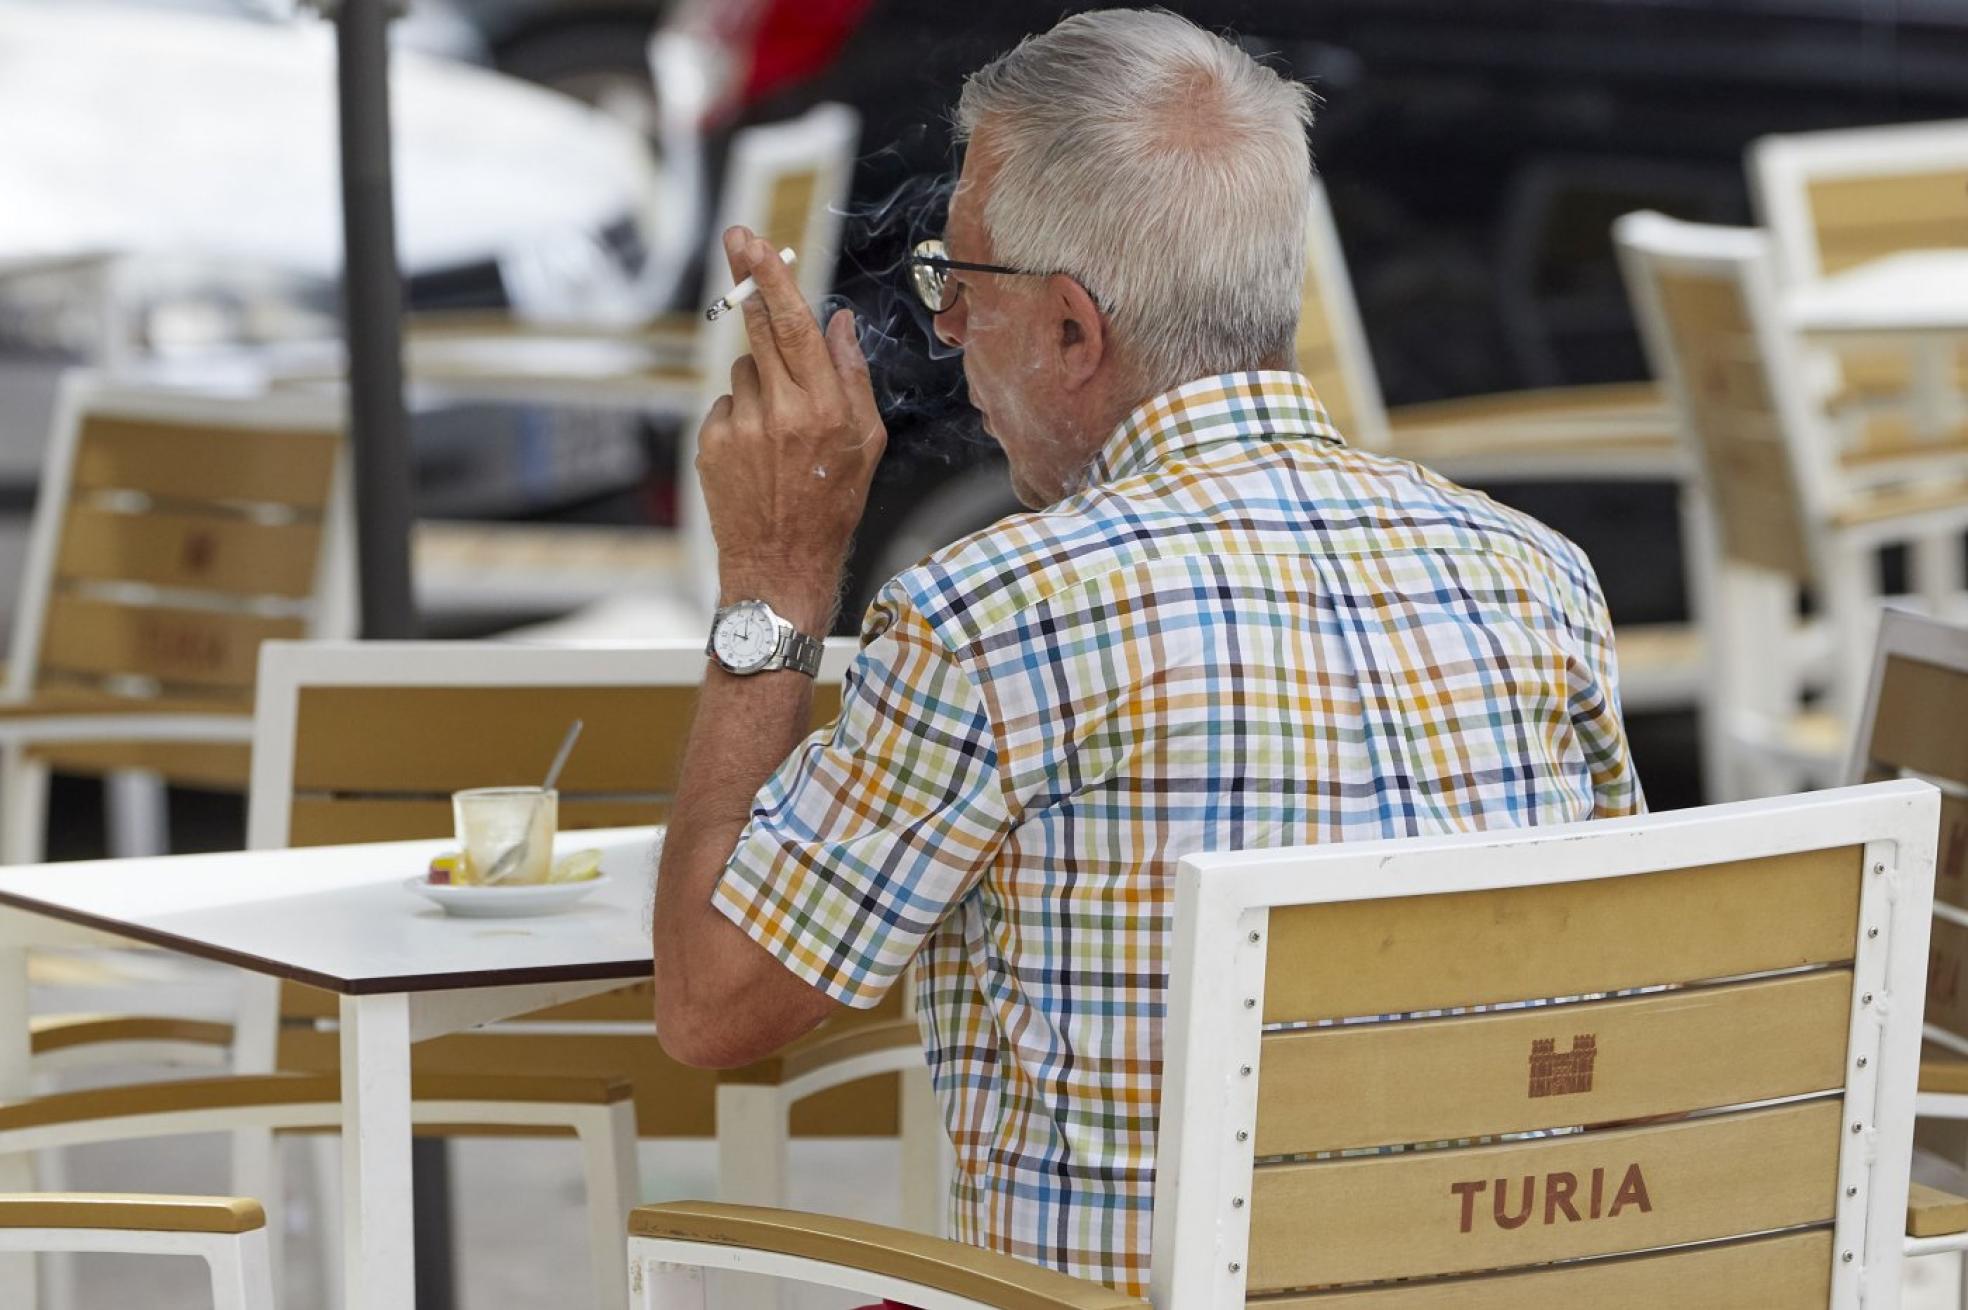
[1242, 634]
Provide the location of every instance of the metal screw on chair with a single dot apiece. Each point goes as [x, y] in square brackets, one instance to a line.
[1255, 938]
[1847, 1257]
[1236, 1203]
[1862, 1062]
[1244, 1070]
[1250, 1002]
[1866, 999]
[1851, 1191]
[1858, 1128]
[1235, 1267]
[1877, 868]
[1242, 1136]
[1871, 933]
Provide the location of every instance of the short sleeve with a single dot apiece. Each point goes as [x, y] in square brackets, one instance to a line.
[1600, 726]
[876, 828]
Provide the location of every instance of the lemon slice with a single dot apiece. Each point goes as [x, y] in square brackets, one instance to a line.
[451, 868]
[581, 866]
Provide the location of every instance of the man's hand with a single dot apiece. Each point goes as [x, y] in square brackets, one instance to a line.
[786, 458]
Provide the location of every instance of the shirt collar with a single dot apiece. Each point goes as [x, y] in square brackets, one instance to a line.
[1230, 407]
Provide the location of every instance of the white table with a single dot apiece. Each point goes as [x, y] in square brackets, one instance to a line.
[339, 918]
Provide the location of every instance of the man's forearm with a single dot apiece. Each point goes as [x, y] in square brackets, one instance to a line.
[706, 968]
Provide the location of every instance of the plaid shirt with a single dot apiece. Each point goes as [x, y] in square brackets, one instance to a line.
[1242, 634]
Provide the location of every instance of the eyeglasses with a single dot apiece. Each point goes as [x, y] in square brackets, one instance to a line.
[929, 275]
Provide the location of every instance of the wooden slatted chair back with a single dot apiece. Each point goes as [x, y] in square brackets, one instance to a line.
[366, 741]
[1331, 343]
[788, 182]
[1705, 302]
[1915, 725]
[174, 533]
[1597, 1065]
[1835, 200]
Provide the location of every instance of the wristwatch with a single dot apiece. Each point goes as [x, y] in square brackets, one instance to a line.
[747, 637]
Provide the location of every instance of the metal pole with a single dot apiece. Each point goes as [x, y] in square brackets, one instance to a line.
[372, 295]
[372, 308]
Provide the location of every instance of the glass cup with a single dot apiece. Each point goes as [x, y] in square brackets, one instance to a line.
[493, 820]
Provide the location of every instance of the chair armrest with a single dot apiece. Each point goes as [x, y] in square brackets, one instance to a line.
[833, 1057]
[296, 1100]
[133, 1213]
[666, 329]
[64, 1032]
[1934, 1213]
[83, 705]
[1638, 405]
[891, 1253]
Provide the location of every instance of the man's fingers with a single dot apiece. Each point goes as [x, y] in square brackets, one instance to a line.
[790, 323]
[851, 367]
[738, 252]
[747, 407]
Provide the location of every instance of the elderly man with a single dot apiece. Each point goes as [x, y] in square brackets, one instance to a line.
[1219, 628]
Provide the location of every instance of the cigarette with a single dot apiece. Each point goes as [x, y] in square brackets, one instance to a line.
[744, 291]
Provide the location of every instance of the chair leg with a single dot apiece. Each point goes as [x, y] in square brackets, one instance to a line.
[242, 1274]
[608, 1159]
[256, 1172]
[23, 806]
[925, 1151]
[17, 1273]
[752, 1133]
[137, 808]
[57, 1267]
[325, 1166]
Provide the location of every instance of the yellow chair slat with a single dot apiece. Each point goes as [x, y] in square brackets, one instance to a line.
[1554, 1198]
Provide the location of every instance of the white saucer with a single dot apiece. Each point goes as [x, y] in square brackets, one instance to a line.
[530, 899]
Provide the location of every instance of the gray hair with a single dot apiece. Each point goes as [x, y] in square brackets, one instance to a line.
[1162, 167]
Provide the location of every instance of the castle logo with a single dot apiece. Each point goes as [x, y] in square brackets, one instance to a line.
[1556, 1073]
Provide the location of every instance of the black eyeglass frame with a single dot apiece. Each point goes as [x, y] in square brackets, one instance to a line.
[927, 255]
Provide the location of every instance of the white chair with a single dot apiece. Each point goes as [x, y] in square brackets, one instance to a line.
[364, 741]
[174, 532]
[1833, 201]
[228, 1233]
[789, 182]
[1781, 511]
[1708, 1098]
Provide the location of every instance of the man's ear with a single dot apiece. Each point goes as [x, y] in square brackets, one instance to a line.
[1082, 341]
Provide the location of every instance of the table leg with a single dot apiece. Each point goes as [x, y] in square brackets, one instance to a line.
[378, 1262]
[16, 1083]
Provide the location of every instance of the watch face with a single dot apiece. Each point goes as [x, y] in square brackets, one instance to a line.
[745, 637]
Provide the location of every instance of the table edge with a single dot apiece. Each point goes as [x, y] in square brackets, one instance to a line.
[598, 970]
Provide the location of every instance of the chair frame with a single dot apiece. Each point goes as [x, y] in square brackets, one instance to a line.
[227, 1233]
[24, 780]
[753, 1131]
[1223, 905]
[1782, 167]
[1842, 521]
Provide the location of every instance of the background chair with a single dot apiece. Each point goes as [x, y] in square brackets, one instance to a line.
[173, 533]
[1694, 1106]
[1833, 201]
[1779, 511]
[228, 1233]
[1916, 726]
[365, 741]
[787, 181]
